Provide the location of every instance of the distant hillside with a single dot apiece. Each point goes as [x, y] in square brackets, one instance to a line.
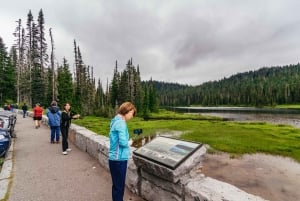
[266, 86]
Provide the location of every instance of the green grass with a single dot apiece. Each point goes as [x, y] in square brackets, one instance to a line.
[1, 162]
[165, 115]
[231, 137]
[288, 106]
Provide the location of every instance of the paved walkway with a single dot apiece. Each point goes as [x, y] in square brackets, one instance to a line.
[42, 173]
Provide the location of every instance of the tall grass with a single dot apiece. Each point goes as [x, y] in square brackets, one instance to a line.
[231, 137]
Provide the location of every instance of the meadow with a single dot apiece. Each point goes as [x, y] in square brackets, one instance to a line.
[235, 138]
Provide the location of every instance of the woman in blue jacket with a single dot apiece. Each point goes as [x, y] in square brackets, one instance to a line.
[119, 151]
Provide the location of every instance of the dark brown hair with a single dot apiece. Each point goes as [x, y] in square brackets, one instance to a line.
[65, 105]
[125, 108]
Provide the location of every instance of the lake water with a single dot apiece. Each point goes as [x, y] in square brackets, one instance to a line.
[276, 116]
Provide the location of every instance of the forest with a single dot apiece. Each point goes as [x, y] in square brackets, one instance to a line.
[29, 75]
[268, 86]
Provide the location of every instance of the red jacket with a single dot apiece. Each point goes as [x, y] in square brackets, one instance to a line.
[37, 111]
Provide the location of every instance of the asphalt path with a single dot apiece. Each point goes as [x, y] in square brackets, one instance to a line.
[42, 173]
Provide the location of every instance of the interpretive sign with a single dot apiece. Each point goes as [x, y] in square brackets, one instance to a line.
[167, 151]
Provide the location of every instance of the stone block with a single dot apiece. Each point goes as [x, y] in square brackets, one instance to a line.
[103, 160]
[3, 188]
[207, 189]
[151, 192]
[132, 177]
[166, 173]
[6, 169]
[175, 188]
[92, 146]
[81, 138]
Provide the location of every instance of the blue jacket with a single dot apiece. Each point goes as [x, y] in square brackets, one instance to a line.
[53, 114]
[118, 137]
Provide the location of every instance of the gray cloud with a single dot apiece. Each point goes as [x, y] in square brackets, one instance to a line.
[188, 42]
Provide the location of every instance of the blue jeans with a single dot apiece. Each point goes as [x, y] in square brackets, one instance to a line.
[118, 175]
[24, 113]
[55, 132]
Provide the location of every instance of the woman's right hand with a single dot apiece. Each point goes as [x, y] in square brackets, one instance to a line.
[76, 116]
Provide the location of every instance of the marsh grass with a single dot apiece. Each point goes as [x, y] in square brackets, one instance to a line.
[288, 106]
[235, 138]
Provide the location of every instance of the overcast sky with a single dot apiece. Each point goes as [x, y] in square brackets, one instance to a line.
[182, 41]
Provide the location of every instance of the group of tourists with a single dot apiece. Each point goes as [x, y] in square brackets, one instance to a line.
[119, 150]
[11, 107]
[58, 121]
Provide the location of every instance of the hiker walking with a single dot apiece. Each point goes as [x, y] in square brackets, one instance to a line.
[24, 108]
[37, 115]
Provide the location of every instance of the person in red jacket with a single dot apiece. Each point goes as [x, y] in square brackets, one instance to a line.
[37, 115]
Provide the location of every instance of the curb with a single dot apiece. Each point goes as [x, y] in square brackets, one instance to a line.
[6, 171]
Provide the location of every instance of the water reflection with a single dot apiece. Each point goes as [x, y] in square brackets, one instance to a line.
[289, 119]
[142, 141]
[270, 115]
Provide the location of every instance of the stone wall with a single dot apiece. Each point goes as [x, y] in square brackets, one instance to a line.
[151, 185]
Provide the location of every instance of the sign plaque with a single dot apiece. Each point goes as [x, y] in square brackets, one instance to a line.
[166, 151]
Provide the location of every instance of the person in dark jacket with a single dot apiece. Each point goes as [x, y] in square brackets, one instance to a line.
[53, 114]
[24, 108]
[66, 117]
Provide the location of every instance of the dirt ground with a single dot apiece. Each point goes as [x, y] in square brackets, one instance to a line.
[273, 178]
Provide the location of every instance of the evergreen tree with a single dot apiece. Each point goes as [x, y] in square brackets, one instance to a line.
[65, 84]
[49, 87]
[114, 87]
[7, 75]
[153, 107]
[146, 111]
[138, 90]
[99, 108]
[42, 41]
[18, 34]
[29, 46]
[37, 81]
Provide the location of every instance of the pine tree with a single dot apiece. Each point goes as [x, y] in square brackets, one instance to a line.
[138, 90]
[37, 82]
[17, 46]
[146, 111]
[49, 86]
[7, 74]
[3, 66]
[153, 107]
[114, 87]
[99, 108]
[65, 83]
[42, 41]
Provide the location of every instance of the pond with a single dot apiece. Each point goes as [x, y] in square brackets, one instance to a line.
[276, 116]
[274, 178]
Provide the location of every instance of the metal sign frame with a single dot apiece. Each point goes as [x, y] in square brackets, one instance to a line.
[167, 151]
